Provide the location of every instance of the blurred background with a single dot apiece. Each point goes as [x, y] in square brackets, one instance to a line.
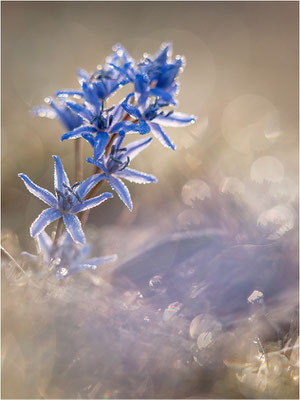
[233, 180]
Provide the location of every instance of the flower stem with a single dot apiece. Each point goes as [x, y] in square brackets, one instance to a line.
[85, 214]
[58, 232]
[78, 160]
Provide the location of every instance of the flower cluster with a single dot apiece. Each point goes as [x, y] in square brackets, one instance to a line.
[85, 114]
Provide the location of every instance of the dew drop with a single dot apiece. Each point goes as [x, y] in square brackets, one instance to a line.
[268, 169]
[63, 271]
[147, 319]
[155, 282]
[195, 189]
[47, 100]
[171, 310]
[277, 221]
[255, 296]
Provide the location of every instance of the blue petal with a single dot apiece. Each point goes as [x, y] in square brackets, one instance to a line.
[90, 203]
[98, 164]
[175, 119]
[169, 73]
[131, 110]
[141, 84]
[117, 113]
[163, 95]
[80, 110]
[125, 126]
[134, 148]
[161, 136]
[143, 127]
[136, 176]
[91, 263]
[69, 92]
[43, 220]
[45, 246]
[60, 175]
[73, 227]
[44, 111]
[89, 138]
[82, 74]
[88, 184]
[101, 141]
[121, 190]
[39, 192]
[164, 52]
[90, 95]
[64, 115]
[77, 132]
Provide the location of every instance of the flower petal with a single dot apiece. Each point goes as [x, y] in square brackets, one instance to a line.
[121, 190]
[39, 192]
[136, 176]
[60, 176]
[73, 227]
[44, 243]
[101, 141]
[161, 136]
[131, 110]
[143, 127]
[134, 148]
[125, 126]
[90, 203]
[91, 263]
[88, 184]
[77, 133]
[90, 95]
[43, 220]
[44, 111]
[175, 119]
[69, 92]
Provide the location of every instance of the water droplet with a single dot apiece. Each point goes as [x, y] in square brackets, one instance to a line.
[171, 310]
[147, 319]
[268, 169]
[277, 221]
[205, 340]
[195, 189]
[232, 185]
[204, 323]
[155, 282]
[63, 271]
[140, 296]
[47, 100]
[255, 296]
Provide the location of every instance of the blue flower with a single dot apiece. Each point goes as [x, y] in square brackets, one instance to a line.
[67, 202]
[60, 111]
[105, 80]
[151, 117]
[69, 257]
[66, 256]
[98, 121]
[115, 167]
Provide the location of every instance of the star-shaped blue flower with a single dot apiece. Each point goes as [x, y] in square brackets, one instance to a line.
[67, 202]
[115, 167]
[72, 257]
[66, 256]
[150, 117]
